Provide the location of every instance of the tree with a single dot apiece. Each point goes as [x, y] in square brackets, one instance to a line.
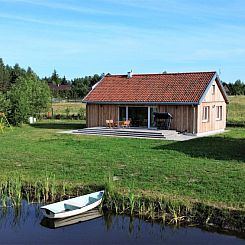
[4, 103]
[4, 77]
[16, 72]
[28, 97]
[81, 86]
[55, 79]
[64, 81]
[239, 88]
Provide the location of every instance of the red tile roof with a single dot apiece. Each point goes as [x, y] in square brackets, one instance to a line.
[169, 87]
[59, 87]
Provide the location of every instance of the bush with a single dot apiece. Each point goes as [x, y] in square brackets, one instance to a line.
[28, 97]
[82, 114]
[4, 103]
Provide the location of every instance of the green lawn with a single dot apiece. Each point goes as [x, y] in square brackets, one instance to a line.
[210, 169]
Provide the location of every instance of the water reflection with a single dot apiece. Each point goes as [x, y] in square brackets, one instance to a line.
[57, 223]
[22, 225]
[15, 217]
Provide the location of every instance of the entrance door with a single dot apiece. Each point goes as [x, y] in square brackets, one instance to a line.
[138, 116]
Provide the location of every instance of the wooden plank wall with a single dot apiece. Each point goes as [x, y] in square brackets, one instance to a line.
[212, 100]
[182, 116]
[98, 114]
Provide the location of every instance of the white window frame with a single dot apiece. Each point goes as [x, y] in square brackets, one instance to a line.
[219, 113]
[213, 89]
[205, 113]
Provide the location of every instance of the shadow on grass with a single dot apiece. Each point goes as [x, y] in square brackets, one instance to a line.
[218, 148]
[59, 125]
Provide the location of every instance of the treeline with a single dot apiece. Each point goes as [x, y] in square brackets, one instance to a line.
[24, 94]
[70, 89]
[237, 88]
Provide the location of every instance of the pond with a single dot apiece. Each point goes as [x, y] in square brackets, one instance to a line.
[26, 225]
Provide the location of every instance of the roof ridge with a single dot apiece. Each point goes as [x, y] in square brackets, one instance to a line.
[168, 73]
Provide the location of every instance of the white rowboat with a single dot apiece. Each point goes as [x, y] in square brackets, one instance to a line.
[73, 206]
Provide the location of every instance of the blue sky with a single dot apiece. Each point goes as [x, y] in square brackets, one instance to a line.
[80, 38]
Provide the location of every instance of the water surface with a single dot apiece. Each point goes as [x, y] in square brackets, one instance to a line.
[27, 226]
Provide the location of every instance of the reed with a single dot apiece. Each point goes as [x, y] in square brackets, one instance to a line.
[14, 190]
[131, 202]
[153, 209]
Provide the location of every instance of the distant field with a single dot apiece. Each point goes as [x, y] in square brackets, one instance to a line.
[74, 107]
[236, 110]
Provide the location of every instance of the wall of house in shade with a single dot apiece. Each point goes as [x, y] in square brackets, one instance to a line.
[98, 114]
[182, 115]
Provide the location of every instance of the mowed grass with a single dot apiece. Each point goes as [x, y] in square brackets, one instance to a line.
[210, 170]
[236, 109]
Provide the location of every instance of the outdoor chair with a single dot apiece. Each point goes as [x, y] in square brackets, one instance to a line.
[126, 124]
[109, 123]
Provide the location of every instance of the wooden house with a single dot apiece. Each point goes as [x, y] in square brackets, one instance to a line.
[196, 100]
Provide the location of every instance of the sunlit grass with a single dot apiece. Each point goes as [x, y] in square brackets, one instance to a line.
[73, 107]
[209, 169]
[236, 110]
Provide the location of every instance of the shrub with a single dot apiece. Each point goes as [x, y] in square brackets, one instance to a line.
[82, 114]
[28, 97]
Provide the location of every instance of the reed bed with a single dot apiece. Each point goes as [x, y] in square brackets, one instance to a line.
[174, 212]
[161, 210]
[14, 190]
[170, 211]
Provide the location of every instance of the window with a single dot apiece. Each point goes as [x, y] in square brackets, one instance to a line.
[218, 112]
[122, 113]
[205, 113]
[213, 89]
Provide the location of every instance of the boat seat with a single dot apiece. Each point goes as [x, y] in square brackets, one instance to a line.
[92, 199]
[70, 204]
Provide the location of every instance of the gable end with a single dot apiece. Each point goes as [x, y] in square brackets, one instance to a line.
[220, 86]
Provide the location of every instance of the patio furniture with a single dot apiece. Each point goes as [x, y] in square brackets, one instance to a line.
[109, 123]
[124, 124]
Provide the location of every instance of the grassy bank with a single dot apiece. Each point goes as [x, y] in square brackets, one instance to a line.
[207, 170]
[236, 110]
[73, 107]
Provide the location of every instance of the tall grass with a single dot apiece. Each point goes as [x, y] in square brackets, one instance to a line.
[135, 205]
[170, 211]
[236, 110]
[14, 189]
